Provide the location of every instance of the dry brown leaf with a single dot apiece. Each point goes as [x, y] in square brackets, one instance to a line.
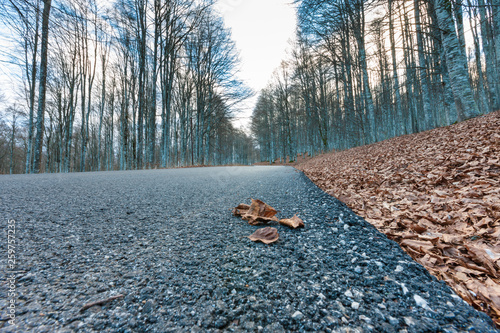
[257, 213]
[480, 257]
[259, 208]
[259, 220]
[465, 270]
[419, 246]
[294, 222]
[451, 239]
[418, 229]
[462, 277]
[241, 210]
[471, 265]
[265, 235]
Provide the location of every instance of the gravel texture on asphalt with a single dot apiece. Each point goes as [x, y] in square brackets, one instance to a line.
[167, 241]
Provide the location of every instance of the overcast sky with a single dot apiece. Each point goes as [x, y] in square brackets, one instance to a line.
[261, 30]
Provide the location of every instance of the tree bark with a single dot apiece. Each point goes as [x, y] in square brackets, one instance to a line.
[457, 62]
[395, 76]
[495, 4]
[12, 141]
[359, 32]
[29, 151]
[481, 87]
[42, 85]
[141, 10]
[422, 66]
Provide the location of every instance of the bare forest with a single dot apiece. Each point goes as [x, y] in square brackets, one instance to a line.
[134, 84]
[365, 71]
[129, 84]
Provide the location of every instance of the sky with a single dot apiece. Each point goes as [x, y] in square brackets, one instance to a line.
[7, 79]
[261, 30]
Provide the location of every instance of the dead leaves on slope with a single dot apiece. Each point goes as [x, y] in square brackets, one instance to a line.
[259, 213]
[437, 193]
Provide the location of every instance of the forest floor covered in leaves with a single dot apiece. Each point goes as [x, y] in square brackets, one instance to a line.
[437, 194]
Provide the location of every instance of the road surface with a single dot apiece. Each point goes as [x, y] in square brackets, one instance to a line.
[167, 242]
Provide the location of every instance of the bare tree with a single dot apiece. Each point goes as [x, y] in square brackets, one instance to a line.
[24, 18]
[347, 78]
[42, 84]
[457, 62]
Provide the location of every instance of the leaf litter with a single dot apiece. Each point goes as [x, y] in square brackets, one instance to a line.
[437, 194]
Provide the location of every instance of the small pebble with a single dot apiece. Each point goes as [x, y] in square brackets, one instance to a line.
[393, 321]
[365, 319]
[421, 302]
[449, 315]
[409, 321]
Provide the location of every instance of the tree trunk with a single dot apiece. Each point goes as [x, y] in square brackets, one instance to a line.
[101, 111]
[142, 81]
[495, 4]
[481, 87]
[457, 62]
[395, 76]
[12, 142]
[152, 114]
[83, 92]
[424, 79]
[42, 86]
[459, 22]
[359, 32]
[29, 151]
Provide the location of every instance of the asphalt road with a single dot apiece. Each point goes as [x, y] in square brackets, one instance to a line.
[166, 241]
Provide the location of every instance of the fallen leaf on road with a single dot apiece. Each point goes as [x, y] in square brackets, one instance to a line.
[265, 235]
[257, 213]
[241, 210]
[294, 222]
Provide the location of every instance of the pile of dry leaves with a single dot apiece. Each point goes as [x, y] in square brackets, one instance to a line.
[437, 194]
[259, 213]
